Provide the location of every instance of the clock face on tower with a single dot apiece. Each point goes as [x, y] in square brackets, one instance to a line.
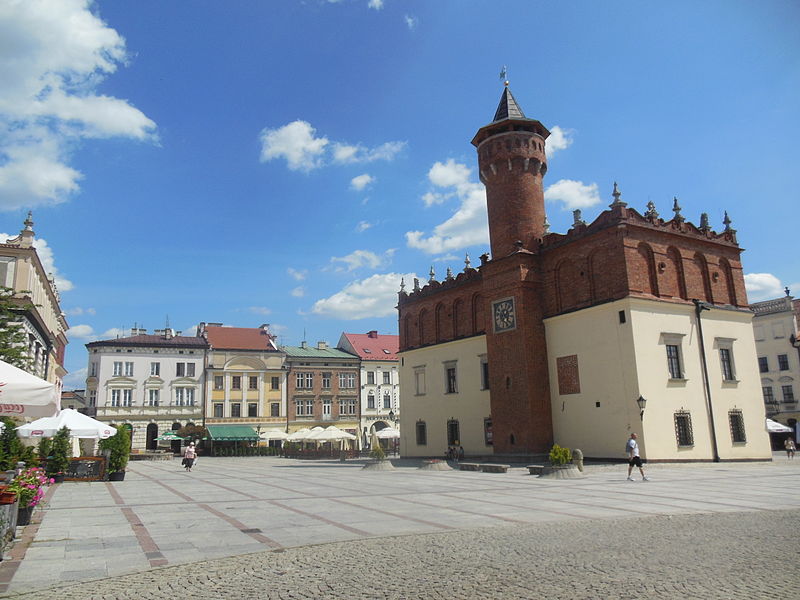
[504, 315]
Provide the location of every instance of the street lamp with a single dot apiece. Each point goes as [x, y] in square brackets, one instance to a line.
[642, 402]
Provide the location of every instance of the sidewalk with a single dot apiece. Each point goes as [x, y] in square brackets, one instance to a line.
[162, 516]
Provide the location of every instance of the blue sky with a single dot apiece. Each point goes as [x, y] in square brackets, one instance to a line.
[288, 162]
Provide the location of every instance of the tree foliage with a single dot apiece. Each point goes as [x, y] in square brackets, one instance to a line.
[11, 448]
[196, 432]
[119, 447]
[60, 452]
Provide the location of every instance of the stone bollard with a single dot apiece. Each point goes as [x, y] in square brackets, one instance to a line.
[577, 458]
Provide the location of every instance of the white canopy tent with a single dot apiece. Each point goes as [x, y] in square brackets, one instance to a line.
[331, 434]
[299, 435]
[79, 425]
[388, 433]
[775, 427]
[273, 434]
[25, 395]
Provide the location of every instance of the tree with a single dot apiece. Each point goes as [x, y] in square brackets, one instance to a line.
[119, 447]
[60, 451]
[13, 339]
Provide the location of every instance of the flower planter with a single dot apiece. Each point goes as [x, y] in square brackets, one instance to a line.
[24, 515]
[116, 476]
[7, 497]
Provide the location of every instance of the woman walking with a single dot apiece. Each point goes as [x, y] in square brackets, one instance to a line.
[188, 457]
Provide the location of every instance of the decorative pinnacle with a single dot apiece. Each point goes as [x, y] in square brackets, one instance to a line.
[432, 274]
[786, 289]
[449, 276]
[727, 222]
[546, 225]
[651, 212]
[617, 195]
[402, 284]
[704, 222]
[466, 262]
[677, 210]
[576, 218]
[29, 222]
[416, 284]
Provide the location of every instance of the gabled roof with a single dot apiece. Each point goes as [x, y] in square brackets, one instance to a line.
[240, 338]
[158, 341]
[374, 346]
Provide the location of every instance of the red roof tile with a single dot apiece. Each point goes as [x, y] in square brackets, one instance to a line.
[374, 346]
[239, 338]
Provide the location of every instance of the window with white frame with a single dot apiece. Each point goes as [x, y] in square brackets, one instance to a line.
[93, 369]
[347, 406]
[326, 381]
[727, 365]
[153, 397]
[387, 400]
[93, 398]
[347, 381]
[128, 369]
[673, 344]
[116, 397]
[387, 378]
[117, 368]
[219, 382]
[371, 377]
[305, 380]
[127, 397]
[236, 382]
[419, 381]
[788, 393]
[184, 396]
[326, 407]
[370, 401]
[155, 369]
[252, 382]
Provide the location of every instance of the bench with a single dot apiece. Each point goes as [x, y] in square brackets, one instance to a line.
[535, 469]
[494, 468]
[467, 466]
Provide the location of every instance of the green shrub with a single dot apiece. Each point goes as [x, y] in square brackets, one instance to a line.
[60, 452]
[560, 456]
[377, 453]
[45, 448]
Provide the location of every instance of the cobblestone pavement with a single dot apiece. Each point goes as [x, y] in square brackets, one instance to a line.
[723, 555]
[276, 528]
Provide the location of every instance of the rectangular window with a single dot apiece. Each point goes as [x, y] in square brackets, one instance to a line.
[190, 369]
[236, 409]
[419, 382]
[155, 369]
[326, 407]
[127, 397]
[683, 429]
[450, 380]
[93, 398]
[93, 369]
[674, 361]
[763, 364]
[788, 393]
[116, 395]
[236, 382]
[326, 381]
[370, 401]
[299, 408]
[422, 433]
[737, 427]
[347, 381]
[305, 380]
[347, 406]
[371, 377]
[180, 396]
[189, 396]
[484, 373]
[453, 437]
[252, 409]
[274, 410]
[276, 383]
[387, 378]
[726, 360]
[128, 369]
[783, 362]
[310, 407]
[219, 410]
[487, 432]
[152, 397]
[117, 368]
[180, 369]
[387, 400]
[219, 382]
[769, 396]
[253, 383]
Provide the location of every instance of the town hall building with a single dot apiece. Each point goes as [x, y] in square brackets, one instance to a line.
[630, 323]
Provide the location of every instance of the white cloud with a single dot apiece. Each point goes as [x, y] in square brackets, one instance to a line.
[572, 194]
[375, 4]
[55, 54]
[468, 226]
[361, 258]
[77, 311]
[190, 331]
[559, 139]
[373, 297]
[762, 286]
[81, 332]
[297, 275]
[296, 143]
[76, 380]
[359, 182]
[114, 332]
[363, 226]
[298, 292]
[259, 310]
[411, 22]
[45, 253]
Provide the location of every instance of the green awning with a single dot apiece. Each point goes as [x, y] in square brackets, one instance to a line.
[232, 433]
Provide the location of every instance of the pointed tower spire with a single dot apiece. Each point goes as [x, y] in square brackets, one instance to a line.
[677, 210]
[508, 107]
[449, 276]
[617, 195]
[432, 274]
[467, 266]
[402, 285]
[727, 222]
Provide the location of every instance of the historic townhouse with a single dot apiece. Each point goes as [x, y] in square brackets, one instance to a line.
[40, 312]
[380, 380]
[322, 387]
[775, 326]
[245, 381]
[629, 323]
[153, 383]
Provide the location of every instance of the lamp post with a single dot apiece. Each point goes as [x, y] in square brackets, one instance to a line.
[642, 402]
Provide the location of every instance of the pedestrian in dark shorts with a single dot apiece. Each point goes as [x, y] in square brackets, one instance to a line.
[633, 457]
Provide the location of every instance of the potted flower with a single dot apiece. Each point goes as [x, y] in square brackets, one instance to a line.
[60, 453]
[119, 450]
[29, 488]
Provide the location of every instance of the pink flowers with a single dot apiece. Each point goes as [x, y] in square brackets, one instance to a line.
[29, 486]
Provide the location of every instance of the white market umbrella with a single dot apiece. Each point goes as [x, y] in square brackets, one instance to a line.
[79, 425]
[299, 435]
[273, 434]
[25, 395]
[775, 427]
[388, 433]
[331, 434]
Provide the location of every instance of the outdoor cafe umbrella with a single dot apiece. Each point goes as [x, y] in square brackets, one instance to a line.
[775, 427]
[273, 434]
[26, 395]
[169, 436]
[331, 434]
[388, 433]
[79, 425]
[299, 435]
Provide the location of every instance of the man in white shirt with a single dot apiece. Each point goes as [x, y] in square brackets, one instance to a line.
[633, 457]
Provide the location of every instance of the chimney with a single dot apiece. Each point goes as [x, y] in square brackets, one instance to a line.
[169, 333]
[304, 344]
[373, 334]
[322, 345]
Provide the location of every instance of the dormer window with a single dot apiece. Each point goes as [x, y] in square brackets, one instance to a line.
[367, 351]
[385, 351]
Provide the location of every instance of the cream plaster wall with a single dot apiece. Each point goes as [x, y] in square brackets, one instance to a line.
[470, 405]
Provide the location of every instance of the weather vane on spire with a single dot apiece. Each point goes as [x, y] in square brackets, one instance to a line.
[504, 74]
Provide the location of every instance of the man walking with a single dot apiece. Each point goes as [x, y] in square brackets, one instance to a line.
[633, 457]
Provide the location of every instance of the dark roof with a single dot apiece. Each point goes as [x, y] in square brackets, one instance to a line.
[240, 338]
[508, 108]
[159, 341]
[311, 352]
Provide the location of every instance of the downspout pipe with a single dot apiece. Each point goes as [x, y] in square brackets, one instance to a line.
[699, 307]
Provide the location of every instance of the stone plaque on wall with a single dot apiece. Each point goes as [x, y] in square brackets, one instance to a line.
[568, 379]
